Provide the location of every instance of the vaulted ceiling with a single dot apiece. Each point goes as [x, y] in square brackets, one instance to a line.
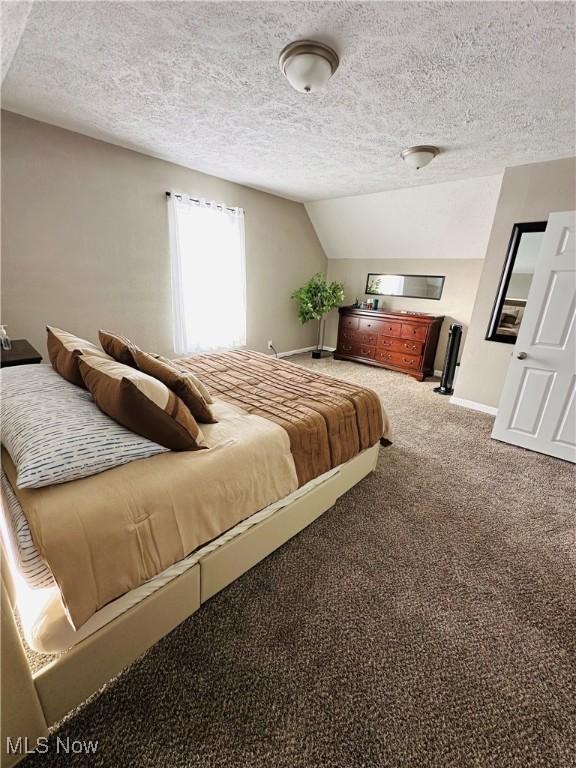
[197, 83]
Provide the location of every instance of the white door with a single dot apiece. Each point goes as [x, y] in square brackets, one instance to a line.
[537, 409]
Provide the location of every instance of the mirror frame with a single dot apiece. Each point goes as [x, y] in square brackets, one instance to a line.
[404, 295]
[517, 231]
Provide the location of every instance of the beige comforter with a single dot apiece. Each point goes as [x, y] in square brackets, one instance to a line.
[279, 426]
[126, 525]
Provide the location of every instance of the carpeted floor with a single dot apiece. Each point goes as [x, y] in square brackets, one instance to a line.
[429, 619]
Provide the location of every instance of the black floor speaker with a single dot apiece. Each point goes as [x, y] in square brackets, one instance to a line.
[450, 361]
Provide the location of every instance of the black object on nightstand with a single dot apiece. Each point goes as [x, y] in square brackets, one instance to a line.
[22, 353]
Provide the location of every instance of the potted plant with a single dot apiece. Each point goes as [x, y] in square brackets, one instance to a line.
[315, 300]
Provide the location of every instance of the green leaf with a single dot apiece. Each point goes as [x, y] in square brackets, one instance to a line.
[317, 298]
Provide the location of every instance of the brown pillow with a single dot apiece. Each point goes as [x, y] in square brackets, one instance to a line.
[178, 366]
[118, 347]
[140, 403]
[64, 350]
[182, 384]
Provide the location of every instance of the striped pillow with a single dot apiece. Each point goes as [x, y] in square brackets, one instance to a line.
[141, 403]
[54, 432]
[31, 565]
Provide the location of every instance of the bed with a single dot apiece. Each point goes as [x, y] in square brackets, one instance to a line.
[288, 443]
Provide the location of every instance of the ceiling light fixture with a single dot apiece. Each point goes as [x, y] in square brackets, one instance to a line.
[308, 65]
[418, 157]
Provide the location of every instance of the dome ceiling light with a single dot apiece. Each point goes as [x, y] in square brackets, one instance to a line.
[418, 157]
[308, 65]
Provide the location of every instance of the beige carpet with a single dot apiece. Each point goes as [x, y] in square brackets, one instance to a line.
[427, 620]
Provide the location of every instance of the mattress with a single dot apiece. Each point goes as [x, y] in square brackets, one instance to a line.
[43, 618]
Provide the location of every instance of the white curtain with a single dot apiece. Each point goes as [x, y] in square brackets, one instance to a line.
[208, 275]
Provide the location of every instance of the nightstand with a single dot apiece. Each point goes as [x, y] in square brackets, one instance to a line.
[22, 353]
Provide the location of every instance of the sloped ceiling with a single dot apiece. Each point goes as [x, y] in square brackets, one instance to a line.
[13, 18]
[451, 220]
[197, 83]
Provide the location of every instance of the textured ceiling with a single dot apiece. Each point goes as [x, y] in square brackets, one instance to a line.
[197, 83]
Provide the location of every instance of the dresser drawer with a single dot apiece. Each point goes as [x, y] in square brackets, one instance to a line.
[400, 345]
[349, 323]
[384, 356]
[356, 338]
[385, 342]
[370, 326]
[355, 349]
[408, 347]
[365, 350]
[397, 358]
[388, 328]
[367, 338]
[410, 331]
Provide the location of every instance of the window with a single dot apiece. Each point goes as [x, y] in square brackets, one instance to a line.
[208, 275]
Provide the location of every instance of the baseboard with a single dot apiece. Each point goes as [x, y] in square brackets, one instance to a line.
[474, 406]
[295, 351]
[290, 352]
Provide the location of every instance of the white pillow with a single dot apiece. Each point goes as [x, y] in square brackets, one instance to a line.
[31, 566]
[54, 432]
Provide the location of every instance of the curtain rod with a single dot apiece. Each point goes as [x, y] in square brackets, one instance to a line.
[196, 200]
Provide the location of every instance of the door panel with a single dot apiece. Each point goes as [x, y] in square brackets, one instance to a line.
[554, 324]
[567, 243]
[531, 400]
[566, 432]
[537, 409]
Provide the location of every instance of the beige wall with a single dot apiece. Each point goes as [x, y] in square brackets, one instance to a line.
[462, 276]
[528, 193]
[451, 220]
[85, 242]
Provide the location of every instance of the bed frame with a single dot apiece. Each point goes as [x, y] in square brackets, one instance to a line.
[32, 702]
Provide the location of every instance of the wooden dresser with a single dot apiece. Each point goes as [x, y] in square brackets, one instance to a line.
[402, 341]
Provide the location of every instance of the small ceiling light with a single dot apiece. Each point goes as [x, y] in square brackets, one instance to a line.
[418, 157]
[308, 65]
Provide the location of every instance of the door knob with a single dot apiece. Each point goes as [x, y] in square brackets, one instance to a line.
[521, 355]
